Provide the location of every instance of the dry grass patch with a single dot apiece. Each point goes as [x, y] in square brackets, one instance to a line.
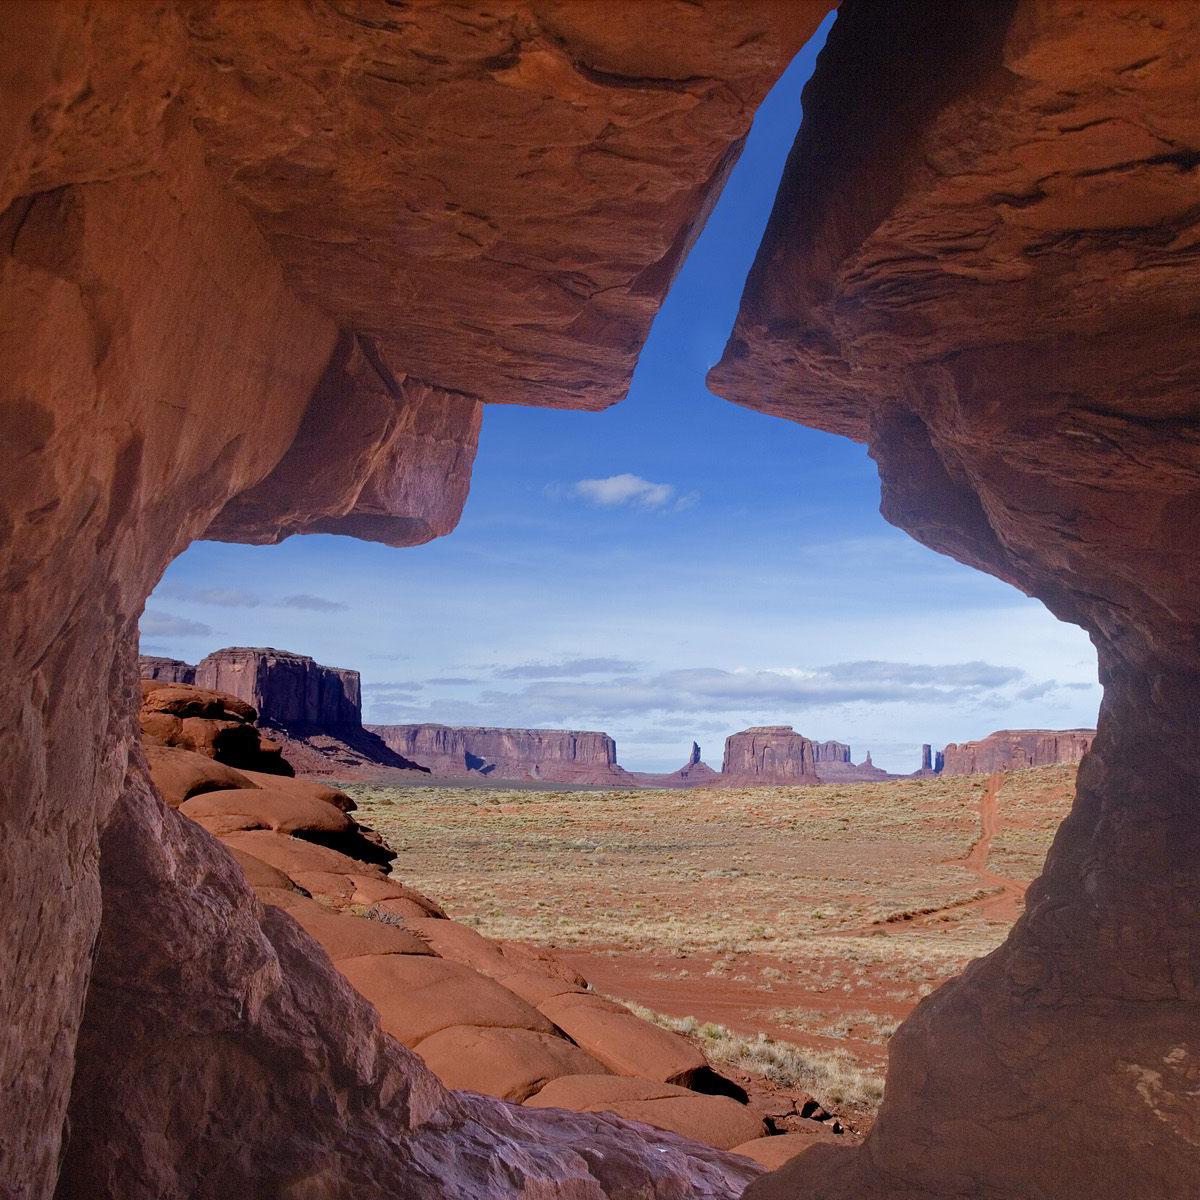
[833, 1077]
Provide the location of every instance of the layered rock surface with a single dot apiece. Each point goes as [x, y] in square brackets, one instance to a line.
[1015, 749]
[768, 754]
[246, 247]
[557, 755]
[287, 689]
[982, 264]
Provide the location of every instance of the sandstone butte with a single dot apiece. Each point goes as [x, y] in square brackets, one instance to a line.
[263, 265]
[559, 755]
[1014, 749]
[315, 712]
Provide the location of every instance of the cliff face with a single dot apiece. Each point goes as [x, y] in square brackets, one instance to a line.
[558, 755]
[769, 754]
[226, 229]
[830, 752]
[166, 670]
[982, 264]
[1012, 749]
[287, 689]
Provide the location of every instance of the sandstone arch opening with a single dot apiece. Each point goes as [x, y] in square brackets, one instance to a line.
[183, 146]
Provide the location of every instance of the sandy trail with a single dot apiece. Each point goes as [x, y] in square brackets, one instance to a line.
[1004, 905]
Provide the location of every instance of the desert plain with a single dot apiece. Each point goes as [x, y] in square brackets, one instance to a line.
[788, 930]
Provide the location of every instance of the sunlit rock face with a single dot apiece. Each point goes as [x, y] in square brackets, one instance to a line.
[982, 264]
[1014, 749]
[259, 266]
[561, 755]
[768, 754]
[285, 688]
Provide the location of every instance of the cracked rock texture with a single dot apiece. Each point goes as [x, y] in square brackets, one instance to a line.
[983, 263]
[259, 267]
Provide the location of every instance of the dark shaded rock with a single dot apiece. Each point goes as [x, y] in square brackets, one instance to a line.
[214, 724]
[286, 689]
[165, 670]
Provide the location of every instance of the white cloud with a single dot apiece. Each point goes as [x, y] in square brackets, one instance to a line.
[224, 597]
[313, 603]
[160, 624]
[626, 489]
[567, 668]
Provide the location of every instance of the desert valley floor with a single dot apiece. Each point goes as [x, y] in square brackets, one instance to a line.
[788, 929]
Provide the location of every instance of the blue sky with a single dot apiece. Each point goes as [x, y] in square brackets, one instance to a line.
[673, 568]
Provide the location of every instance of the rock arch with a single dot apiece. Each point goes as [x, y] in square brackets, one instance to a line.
[260, 271]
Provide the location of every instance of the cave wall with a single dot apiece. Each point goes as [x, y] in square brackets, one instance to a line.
[982, 263]
[245, 249]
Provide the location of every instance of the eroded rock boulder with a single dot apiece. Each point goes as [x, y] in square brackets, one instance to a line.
[213, 724]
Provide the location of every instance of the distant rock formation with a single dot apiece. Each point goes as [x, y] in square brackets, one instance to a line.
[287, 689]
[843, 770]
[695, 770]
[930, 766]
[1013, 749]
[769, 754]
[693, 773]
[312, 711]
[830, 752]
[555, 755]
[165, 670]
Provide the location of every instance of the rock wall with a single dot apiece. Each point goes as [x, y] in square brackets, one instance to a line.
[768, 754]
[558, 755]
[830, 752]
[166, 670]
[981, 263]
[1013, 749]
[287, 689]
[225, 229]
